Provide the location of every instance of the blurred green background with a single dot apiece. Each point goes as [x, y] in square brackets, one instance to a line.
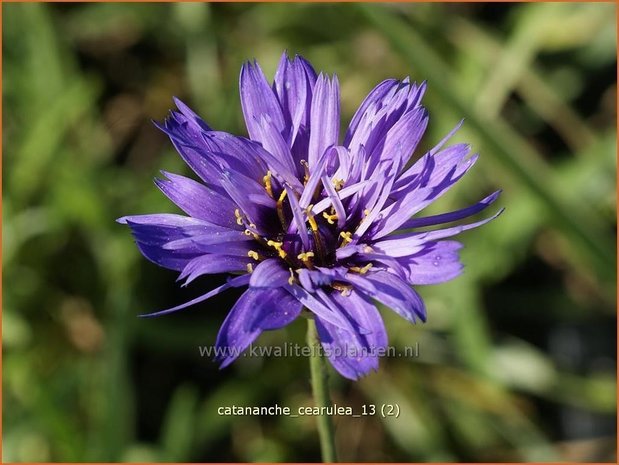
[517, 361]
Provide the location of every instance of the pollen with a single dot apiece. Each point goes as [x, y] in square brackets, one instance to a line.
[347, 236]
[338, 184]
[253, 254]
[366, 212]
[278, 246]
[250, 268]
[267, 184]
[361, 270]
[345, 289]
[249, 232]
[331, 219]
[306, 258]
[238, 216]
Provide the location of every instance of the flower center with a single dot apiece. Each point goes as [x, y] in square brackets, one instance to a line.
[321, 234]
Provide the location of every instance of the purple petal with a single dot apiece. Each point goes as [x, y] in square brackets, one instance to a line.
[335, 201]
[251, 197]
[195, 122]
[436, 263]
[313, 181]
[235, 154]
[258, 99]
[445, 162]
[234, 282]
[190, 148]
[451, 216]
[387, 179]
[197, 200]
[319, 306]
[256, 310]
[398, 245]
[392, 292]
[269, 273]
[294, 83]
[380, 116]
[325, 118]
[298, 225]
[211, 264]
[402, 139]
[274, 143]
[354, 353]
[418, 198]
[315, 279]
[373, 98]
[153, 232]
[343, 194]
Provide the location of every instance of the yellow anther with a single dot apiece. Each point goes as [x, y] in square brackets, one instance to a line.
[338, 184]
[366, 212]
[291, 279]
[311, 219]
[331, 219]
[253, 254]
[307, 173]
[282, 196]
[239, 217]
[361, 270]
[306, 258]
[280, 208]
[267, 184]
[249, 232]
[250, 268]
[345, 289]
[347, 236]
[278, 246]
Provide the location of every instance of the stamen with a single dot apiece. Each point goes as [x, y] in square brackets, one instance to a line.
[280, 209]
[331, 219]
[267, 184]
[320, 247]
[338, 184]
[256, 236]
[307, 173]
[253, 254]
[239, 217]
[345, 289]
[311, 219]
[250, 268]
[361, 270]
[278, 246]
[366, 212]
[306, 258]
[347, 236]
[291, 279]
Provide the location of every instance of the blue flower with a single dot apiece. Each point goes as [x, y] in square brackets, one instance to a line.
[307, 221]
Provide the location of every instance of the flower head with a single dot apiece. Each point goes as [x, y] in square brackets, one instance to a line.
[306, 220]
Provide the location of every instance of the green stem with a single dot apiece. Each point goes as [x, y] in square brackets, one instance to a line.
[320, 389]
